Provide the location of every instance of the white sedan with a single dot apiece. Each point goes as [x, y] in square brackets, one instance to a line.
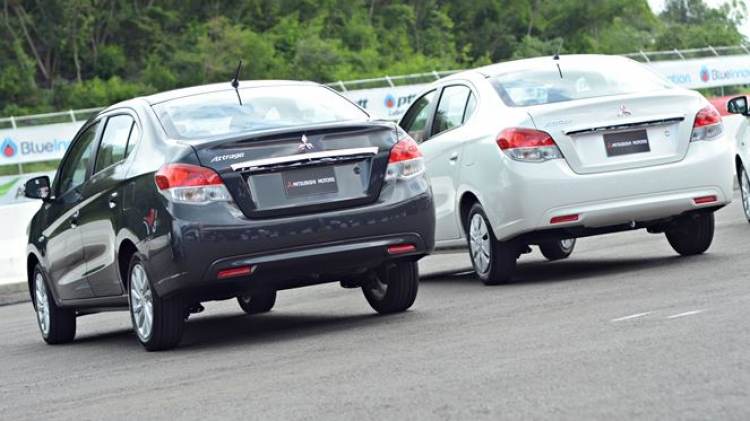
[547, 150]
[741, 105]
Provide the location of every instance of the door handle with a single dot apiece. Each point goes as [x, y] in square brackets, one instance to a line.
[113, 200]
[454, 157]
[74, 219]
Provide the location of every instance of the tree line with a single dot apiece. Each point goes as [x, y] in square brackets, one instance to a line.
[61, 54]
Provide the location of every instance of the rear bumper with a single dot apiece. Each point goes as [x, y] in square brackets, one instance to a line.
[535, 194]
[288, 252]
[295, 267]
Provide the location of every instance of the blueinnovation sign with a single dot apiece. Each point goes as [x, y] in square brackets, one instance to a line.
[706, 72]
[36, 144]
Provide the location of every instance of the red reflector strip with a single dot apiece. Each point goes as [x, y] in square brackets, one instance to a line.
[705, 199]
[231, 273]
[405, 248]
[561, 219]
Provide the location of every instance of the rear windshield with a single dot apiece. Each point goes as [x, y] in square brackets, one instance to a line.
[220, 113]
[578, 81]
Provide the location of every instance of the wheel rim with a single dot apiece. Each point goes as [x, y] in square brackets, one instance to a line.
[42, 304]
[479, 242]
[567, 243]
[378, 288]
[745, 189]
[141, 302]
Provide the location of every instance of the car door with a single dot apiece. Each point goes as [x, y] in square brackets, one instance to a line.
[442, 146]
[100, 218]
[63, 246]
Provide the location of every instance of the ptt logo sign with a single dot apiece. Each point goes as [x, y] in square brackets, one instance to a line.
[9, 148]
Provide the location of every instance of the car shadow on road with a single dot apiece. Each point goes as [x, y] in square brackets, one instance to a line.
[215, 331]
[574, 269]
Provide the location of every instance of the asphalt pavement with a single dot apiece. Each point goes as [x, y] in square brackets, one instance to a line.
[624, 329]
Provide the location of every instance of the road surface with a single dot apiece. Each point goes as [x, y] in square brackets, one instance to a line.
[624, 329]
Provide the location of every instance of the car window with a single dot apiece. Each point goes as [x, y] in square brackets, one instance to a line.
[114, 142]
[226, 112]
[471, 105]
[415, 119]
[135, 137]
[450, 111]
[73, 171]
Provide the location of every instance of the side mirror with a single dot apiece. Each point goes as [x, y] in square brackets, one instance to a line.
[37, 188]
[738, 105]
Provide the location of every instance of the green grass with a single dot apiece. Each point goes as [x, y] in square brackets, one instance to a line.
[28, 168]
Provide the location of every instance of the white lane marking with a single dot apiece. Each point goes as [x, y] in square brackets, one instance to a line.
[687, 313]
[632, 316]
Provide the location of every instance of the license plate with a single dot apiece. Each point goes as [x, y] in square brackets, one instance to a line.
[309, 181]
[626, 143]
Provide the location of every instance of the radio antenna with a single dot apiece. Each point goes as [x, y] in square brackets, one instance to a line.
[236, 82]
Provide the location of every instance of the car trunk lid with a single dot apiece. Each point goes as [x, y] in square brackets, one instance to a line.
[614, 133]
[302, 169]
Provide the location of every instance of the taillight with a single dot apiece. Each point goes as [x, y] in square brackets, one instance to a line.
[528, 145]
[191, 184]
[708, 124]
[405, 160]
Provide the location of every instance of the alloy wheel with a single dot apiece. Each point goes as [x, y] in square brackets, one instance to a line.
[42, 303]
[745, 189]
[141, 302]
[479, 241]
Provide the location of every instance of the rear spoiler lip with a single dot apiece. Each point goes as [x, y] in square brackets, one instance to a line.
[625, 125]
[257, 164]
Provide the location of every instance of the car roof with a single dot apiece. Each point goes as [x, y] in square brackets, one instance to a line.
[594, 60]
[217, 87]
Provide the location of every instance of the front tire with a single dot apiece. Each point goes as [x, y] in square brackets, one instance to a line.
[158, 322]
[58, 325]
[557, 249]
[691, 234]
[494, 261]
[261, 302]
[395, 289]
[745, 191]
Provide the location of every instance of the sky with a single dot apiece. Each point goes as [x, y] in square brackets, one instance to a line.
[658, 5]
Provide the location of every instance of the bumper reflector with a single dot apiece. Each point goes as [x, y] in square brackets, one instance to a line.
[705, 199]
[561, 219]
[404, 248]
[234, 272]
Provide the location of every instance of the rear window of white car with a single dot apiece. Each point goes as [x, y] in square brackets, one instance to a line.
[220, 113]
[573, 81]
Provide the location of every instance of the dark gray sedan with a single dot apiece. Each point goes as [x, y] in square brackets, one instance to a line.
[224, 191]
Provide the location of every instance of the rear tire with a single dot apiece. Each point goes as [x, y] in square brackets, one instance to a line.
[691, 234]
[395, 289]
[57, 325]
[158, 322]
[494, 261]
[261, 302]
[557, 249]
[745, 191]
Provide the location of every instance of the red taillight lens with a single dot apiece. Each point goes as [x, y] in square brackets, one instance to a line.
[405, 160]
[515, 138]
[528, 144]
[404, 150]
[186, 183]
[708, 124]
[707, 116]
[185, 175]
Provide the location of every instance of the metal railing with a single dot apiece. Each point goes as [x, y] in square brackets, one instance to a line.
[387, 81]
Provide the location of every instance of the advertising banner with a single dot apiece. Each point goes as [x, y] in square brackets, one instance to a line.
[706, 72]
[388, 103]
[35, 144]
